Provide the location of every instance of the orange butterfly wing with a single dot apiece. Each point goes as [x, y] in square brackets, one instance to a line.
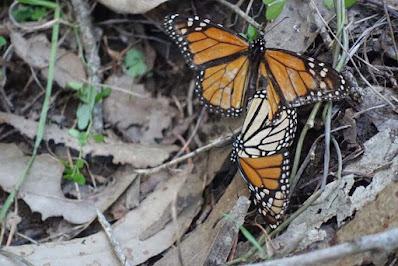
[268, 182]
[262, 156]
[218, 56]
[293, 80]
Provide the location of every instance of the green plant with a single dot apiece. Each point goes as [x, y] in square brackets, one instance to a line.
[73, 172]
[251, 33]
[46, 103]
[88, 97]
[3, 41]
[274, 8]
[347, 3]
[30, 12]
[134, 63]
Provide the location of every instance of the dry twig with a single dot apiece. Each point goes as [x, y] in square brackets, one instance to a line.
[115, 244]
[242, 14]
[387, 240]
[218, 142]
[91, 47]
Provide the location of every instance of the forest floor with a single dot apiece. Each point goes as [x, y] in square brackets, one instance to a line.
[107, 156]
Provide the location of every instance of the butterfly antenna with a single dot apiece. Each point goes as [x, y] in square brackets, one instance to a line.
[274, 26]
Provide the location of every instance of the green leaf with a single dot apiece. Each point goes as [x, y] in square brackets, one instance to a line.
[83, 114]
[87, 94]
[74, 133]
[83, 138]
[251, 33]
[329, 4]
[24, 13]
[349, 3]
[252, 240]
[105, 92]
[76, 177]
[79, 163]
[76, 86]
[3, 41]
[98, 138]
[274, 8]
[134, 63]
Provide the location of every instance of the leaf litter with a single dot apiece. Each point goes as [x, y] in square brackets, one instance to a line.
[144, 120]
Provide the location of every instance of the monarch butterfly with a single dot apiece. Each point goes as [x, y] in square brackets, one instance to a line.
[226, 65]
[262, 154]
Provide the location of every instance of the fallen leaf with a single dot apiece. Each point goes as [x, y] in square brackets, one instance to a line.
[296, 29]
[142, 119]
[131, 6]
[46, 173]
[35, 51]
[95, 249]
[338, 199]
[375, 217]
[137, 155]
[382, 115]
[196, 245]
[227, 232]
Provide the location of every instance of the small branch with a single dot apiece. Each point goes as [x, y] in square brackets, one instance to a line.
[217, 142]
[387, 240]
[114, 243]
[242, 14]
[326, 159]
[91, 47]
[308, 125]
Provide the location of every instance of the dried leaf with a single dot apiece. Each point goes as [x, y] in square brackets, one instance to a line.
[295, 29]
[375, 217]
[143, 119]
[35, 51]
[137, 155]
[131, 6]
[94, 249]
[195, 246]
[339, 200]
[382, 115]
[46, 173]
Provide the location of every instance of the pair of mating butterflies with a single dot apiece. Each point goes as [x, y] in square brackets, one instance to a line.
[232, 73]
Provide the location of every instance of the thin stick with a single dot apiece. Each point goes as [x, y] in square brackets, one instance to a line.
[387, 240]
[90, 45]
[294, 179]
[242, 14]
[391, 29]
[114, 243]
[326, 158]
[220, 141]
[308, 125]
[339, 158]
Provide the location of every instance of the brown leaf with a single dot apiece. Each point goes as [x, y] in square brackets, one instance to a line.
[196, 244]
[141, 118]
[131, 6]
[95, 249]
[46, 173]
[35, 51]
[137, 155]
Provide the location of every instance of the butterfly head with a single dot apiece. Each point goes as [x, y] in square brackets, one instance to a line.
[258, 45]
